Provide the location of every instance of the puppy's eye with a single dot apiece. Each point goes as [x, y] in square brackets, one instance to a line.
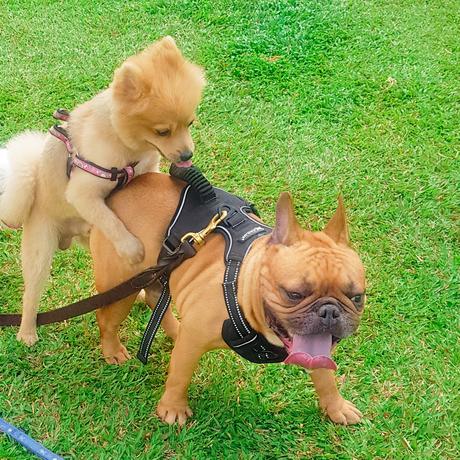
[163, 132]
[358, 300]
[295, 296]
[191, 123]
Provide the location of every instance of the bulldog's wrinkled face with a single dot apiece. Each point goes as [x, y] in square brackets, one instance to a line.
[312, 283]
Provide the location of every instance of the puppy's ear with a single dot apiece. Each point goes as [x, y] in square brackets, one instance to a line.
[168, 42]
[128, 82]
[337, 227]
[287, 230]
[163, 45]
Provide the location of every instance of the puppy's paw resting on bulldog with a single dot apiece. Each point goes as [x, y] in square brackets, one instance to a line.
[92, 207]
[130, 248]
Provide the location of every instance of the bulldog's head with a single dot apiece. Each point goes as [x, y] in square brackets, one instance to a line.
[312, 286]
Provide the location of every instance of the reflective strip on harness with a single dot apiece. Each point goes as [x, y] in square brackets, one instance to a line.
[231, 300]
[155, 320]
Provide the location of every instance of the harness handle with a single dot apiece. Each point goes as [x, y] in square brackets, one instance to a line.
[196, 179]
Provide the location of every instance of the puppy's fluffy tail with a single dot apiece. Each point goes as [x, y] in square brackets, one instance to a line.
[18, 176]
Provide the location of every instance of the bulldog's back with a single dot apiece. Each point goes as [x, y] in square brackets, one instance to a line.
[145, 207]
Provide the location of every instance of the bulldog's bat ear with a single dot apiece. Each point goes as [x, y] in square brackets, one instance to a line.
[287, 230]
[128, 82]
[337, 227]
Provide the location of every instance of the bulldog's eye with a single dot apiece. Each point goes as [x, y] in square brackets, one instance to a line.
[163, 132]
[358, 300]
[295, 296]
[191, 123]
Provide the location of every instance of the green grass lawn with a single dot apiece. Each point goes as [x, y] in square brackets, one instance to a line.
[308, 96]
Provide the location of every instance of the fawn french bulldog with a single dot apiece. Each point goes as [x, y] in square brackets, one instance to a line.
[302, 290]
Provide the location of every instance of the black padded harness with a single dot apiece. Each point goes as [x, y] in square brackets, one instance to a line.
[198, 204]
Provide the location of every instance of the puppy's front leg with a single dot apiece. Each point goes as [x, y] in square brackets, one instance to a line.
[173, 406]
[87, 194]
[338, 409]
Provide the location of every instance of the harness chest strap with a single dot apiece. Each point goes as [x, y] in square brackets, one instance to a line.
[237, 332]
[239, 230]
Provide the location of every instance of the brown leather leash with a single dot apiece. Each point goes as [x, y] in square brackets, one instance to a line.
[168, 260]
[140, 281]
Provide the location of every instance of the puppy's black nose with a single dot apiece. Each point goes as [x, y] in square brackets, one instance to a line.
[328, 314]
[186, 155]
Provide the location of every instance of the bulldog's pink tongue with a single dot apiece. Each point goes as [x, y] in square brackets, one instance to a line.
[311, 351]
[184, 164]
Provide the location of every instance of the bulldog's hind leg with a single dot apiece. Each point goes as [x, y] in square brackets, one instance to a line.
[39, 243]
[338, 409]
[109, 320]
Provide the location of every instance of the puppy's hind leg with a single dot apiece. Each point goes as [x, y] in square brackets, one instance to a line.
[39, 243]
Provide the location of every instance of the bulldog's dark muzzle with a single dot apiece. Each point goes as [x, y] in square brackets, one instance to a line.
[310, 335]
[329, 315]
[326, 314]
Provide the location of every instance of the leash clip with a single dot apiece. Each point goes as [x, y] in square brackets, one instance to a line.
[198, 237]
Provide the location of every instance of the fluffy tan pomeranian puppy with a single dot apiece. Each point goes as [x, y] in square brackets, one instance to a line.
[145, 113]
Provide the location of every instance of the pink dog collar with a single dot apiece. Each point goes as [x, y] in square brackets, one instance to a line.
[121, 176]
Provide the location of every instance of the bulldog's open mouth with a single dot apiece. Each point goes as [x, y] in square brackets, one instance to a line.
[310, 351]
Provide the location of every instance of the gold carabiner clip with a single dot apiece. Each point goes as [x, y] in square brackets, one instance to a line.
[198, 237]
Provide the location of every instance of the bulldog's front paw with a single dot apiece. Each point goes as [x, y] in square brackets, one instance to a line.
[342, 411]
[131, 249]
[171, 413]
[28, 337]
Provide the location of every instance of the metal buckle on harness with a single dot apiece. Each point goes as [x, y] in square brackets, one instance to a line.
[198, 237]
[169, 247]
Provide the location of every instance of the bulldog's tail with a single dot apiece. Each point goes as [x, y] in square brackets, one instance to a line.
[18, 176]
